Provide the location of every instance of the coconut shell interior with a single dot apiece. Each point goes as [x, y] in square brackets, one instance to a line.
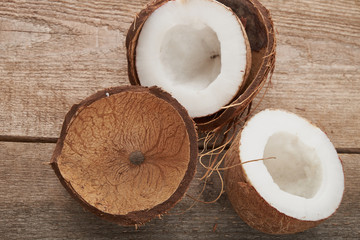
[127, 154]
[260, 32]
[250, 206]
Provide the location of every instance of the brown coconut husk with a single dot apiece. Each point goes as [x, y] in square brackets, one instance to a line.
[127, 154]
[260, 31]
[248, 203]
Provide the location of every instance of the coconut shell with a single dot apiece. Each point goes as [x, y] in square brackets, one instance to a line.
[127, 154]
[248, 203]
[260, 31]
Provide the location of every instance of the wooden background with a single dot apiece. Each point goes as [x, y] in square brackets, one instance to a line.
[55, 53]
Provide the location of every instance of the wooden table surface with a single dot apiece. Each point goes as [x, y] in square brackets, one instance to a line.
[55, 53]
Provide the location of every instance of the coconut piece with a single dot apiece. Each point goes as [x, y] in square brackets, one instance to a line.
[127, 154]
[298, 185]
[196, 50]
[202, 65]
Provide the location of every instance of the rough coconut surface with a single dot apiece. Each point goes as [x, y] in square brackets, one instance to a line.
[127, 152]
[197, 50]
[298, 189]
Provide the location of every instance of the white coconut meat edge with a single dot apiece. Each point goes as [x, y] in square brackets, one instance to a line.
[195, 50]
[322, 165]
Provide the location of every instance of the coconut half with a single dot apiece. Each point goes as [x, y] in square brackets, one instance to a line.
[127, 154]
[198, 51]
[299, 184]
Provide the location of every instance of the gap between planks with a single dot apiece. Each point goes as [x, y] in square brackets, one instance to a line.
[26, 139]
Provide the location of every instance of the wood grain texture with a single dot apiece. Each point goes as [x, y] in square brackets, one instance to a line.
[55, 53]
[34, 205]
[317, 70]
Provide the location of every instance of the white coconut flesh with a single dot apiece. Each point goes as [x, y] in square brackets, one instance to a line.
[196, 50]
[304, 179]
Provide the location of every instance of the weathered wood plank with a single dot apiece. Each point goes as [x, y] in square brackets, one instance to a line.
[53, 54]
[317, 69]
[34, 205]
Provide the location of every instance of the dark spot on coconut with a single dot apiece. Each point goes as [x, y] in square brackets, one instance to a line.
[136, 157]
[214, 56]
[243, 21]
[250, 17]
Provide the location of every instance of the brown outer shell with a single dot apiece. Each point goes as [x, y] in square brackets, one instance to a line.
[249, 204]
[262, 42]
[136, 217]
